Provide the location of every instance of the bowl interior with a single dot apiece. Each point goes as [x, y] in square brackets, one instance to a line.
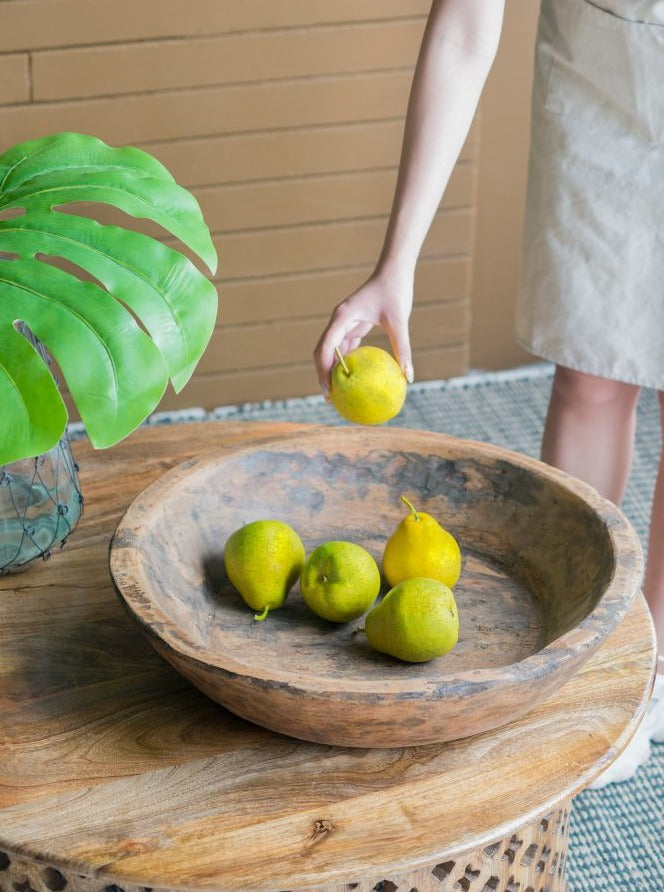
[543, 555]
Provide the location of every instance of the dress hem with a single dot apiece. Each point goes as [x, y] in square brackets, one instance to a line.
[586, 369]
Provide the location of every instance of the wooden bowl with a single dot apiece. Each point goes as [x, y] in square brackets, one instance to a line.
[549, 570]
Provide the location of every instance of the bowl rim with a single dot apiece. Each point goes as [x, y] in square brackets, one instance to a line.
[573, 645]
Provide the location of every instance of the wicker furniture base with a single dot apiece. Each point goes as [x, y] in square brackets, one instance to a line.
[532, 860]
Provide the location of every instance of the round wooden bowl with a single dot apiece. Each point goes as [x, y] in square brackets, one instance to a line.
[549, 570]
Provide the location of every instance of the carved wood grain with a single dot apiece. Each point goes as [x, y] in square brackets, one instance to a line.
[548, 570]
[114, 769]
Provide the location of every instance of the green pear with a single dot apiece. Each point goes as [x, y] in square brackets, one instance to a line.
[416, 621]
[339, 581]
[263, 560]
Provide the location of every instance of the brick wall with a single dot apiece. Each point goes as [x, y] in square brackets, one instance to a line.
[285, 119]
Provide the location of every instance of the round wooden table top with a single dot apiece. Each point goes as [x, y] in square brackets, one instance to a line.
[113, 765]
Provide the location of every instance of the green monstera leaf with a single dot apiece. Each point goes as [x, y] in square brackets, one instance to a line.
[142, 314]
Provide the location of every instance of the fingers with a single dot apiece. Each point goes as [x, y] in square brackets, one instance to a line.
[339, 335]
[342, 332]
[372, 304]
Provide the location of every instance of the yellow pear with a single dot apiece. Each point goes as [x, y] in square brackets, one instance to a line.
[368, 386]
[416, 621]
[421, 547]
[339, 581]
[263, 560]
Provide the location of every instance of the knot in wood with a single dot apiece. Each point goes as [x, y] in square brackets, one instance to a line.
[321, 828]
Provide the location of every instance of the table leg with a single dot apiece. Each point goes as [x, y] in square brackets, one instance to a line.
[531, 860]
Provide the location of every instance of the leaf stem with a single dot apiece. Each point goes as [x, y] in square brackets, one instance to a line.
[342, 361]
[412, 508]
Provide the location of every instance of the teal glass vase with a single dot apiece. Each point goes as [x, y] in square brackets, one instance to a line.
[40, 499]
[40, 504]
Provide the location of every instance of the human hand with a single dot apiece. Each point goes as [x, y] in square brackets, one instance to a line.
[380, 301]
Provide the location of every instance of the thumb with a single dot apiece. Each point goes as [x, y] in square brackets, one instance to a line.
[400, 340]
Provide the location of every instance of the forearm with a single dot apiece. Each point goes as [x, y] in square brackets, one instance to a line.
[457, 51]
[456, 54]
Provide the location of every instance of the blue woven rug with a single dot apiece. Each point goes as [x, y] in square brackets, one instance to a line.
[617, 833]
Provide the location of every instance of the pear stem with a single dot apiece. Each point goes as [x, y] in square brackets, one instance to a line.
[260, 616]
[342, 361]
[415, 514]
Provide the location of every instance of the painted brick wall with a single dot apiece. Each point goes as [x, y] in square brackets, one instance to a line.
[285, 119]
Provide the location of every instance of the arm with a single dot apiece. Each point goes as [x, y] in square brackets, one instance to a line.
[458, 47]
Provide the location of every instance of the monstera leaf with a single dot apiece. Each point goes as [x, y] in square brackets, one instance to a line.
[121, 317]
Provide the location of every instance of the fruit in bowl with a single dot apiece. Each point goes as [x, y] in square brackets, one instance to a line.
[263, 560]
[339, 581]
[416, 621]
[537, 597]
[420, 546]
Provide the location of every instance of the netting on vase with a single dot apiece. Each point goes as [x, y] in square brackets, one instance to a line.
[40, 498]
[40, 504]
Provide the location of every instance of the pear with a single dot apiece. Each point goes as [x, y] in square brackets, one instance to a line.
[367, 386]
[420, 546]
[263, 560]
[416, 621]
[340, 581]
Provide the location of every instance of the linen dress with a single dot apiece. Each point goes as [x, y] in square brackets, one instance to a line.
[592, 286]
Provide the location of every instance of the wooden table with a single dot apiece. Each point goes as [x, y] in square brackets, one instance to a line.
[116, 774]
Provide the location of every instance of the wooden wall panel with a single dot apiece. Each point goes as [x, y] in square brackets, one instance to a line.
[293, 152]
[285, 119]
[329, 245]
[243, 347]
[502, 193]
[14, 78]
[36, 24]
[312, 294]
[299, 201]
[233, 59]
[230, 109]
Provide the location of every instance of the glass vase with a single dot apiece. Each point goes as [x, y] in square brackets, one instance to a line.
[40, 498]
[40, 504]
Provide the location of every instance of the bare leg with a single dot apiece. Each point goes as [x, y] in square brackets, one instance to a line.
[589, 433]
[653, 586]
[589, 430]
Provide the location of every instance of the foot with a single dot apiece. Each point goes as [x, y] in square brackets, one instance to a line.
[637, 751]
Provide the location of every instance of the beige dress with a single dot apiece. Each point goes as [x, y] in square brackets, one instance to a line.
[592, 293]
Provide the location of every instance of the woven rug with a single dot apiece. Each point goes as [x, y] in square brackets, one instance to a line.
[617, 833]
